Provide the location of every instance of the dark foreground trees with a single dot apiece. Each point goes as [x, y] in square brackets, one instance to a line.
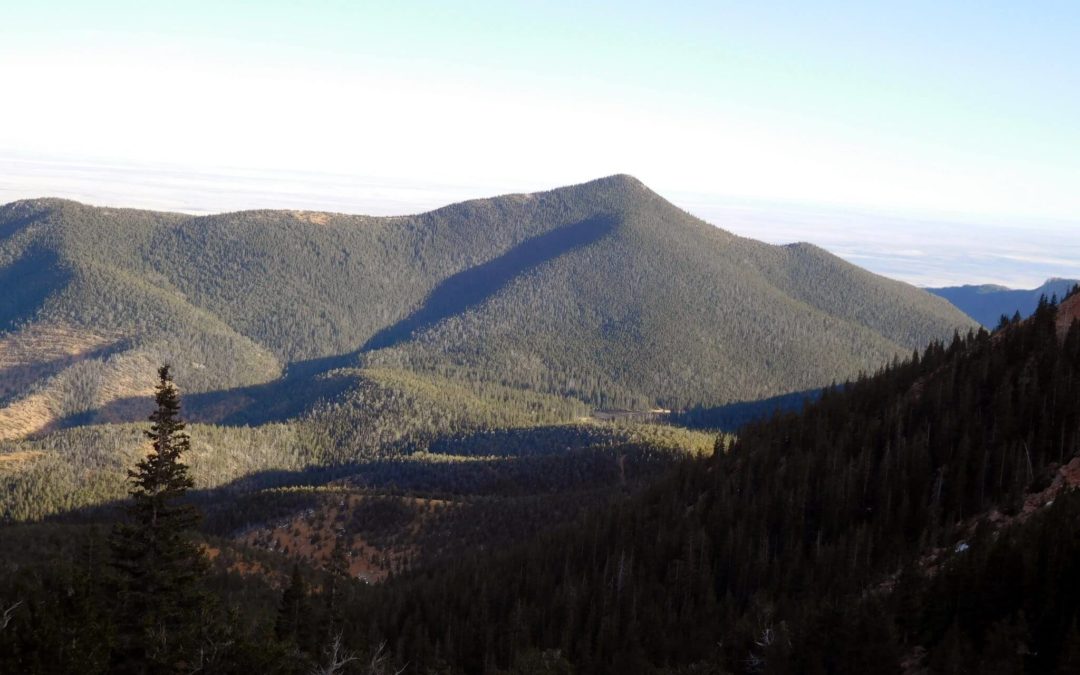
[158, 565]
[910, 517]
[918, 519]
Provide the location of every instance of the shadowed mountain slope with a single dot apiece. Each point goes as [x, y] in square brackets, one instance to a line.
[986, 304]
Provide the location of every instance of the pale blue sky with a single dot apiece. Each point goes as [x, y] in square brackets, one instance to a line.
[952, 109]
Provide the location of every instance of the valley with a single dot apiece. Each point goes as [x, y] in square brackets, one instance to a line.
[543, 338]
[581, 413]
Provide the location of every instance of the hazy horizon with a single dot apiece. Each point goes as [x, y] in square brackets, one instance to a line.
[924, 249]
[895, 136]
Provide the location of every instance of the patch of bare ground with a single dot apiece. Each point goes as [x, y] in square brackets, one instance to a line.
[17, 460]
[1066, 477]
[233, 561]
[29, 415]
[125, 380]
[41, 350]
[1068, 312]
[312, 535]
[313, 217]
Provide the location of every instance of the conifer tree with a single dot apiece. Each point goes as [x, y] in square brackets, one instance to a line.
[294, 615]
[337, 566]
[158, 565]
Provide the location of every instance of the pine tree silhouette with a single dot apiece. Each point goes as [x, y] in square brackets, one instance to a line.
[158, 565]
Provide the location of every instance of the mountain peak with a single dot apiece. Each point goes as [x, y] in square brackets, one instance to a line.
[623, 179]
[622, 182]
[36, 205]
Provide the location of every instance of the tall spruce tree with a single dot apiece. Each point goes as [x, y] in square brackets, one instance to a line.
[158, 564]
[294, 615]
[337, 567]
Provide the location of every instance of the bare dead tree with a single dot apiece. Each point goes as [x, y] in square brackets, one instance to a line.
[209, 655]
[379, 662]
[337, 657]
[756, 662]
[8, 615]
[766, 639]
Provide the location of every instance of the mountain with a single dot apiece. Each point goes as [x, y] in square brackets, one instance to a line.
[988, 303]
[602, 292]
[403, 413]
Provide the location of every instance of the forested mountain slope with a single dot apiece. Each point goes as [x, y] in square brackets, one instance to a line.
[919, 520]
[925, 516]
[988, 303]
[603, 292]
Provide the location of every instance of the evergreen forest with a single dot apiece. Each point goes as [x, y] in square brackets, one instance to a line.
[574, 431]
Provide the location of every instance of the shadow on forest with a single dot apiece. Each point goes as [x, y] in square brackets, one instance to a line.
[301, 386]
[14, 225]
[27, 283]
[217, 501]
[732, 416]
[14, 379]
[251, 499]
[282, 399]
[473, 286]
